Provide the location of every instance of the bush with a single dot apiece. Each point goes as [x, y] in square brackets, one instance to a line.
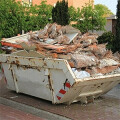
[107, 37]
[14, 17]
[11, 18]
[74, 13]
[36, 17]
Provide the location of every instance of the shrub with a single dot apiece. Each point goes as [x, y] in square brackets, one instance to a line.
[14, 17]
[11, 18]
[36, 17]
[107, 37]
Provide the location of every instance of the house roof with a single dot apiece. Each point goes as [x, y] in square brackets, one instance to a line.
[111, 17]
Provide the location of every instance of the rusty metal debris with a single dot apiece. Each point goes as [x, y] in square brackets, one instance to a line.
[65, 42]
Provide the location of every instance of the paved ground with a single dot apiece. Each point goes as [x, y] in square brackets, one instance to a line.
[9, 113]
[104, 108]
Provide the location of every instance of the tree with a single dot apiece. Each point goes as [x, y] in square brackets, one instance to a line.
[116, 43]
[11, 18]
[36, 17]
[74, 13]
[90, 19]
[103, 10]
[60, 13]
[15, 17]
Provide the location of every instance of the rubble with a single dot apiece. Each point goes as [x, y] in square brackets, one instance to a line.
[82, 51]
[107, 62]
[117, 56]
[80, 60]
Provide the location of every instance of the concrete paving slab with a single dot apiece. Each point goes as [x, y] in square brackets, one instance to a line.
[105, 108]
[9, 113]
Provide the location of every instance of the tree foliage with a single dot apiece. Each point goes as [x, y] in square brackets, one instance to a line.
[36, 17]
[116, 43]
[11, 18]
[90, 19]
[104, 10]
[74, 13]
[60, 13]
[15, 17]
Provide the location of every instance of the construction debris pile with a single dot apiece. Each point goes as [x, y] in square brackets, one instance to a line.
[82, 51]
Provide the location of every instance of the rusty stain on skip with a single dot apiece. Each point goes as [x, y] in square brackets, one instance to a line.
[51, 88]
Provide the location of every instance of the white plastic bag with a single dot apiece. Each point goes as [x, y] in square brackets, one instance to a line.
[80, 74]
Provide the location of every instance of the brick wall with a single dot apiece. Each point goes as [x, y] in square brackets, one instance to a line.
[80, 3]
[52, 2]
[75, 3]
[37, 2]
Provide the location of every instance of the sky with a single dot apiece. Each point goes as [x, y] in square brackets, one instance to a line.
[111, 4]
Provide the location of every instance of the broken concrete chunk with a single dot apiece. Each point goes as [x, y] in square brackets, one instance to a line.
[71, 36]
[49, 41]
[83, 60]
[67, 57]
[98, 50]
[69, 29]
[63, 39]
[21, 53]
[53, 31]
[28, 47]
[107, 62]
[22, 40]
[117, 56]
[116, 71]
[109, 54]
[33, 36]
[53, 35]
[106, 69]
[36, 54]
[43, 33]
[31, 53]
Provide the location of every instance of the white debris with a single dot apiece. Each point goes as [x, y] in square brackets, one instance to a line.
[107, 62]
[80, 74]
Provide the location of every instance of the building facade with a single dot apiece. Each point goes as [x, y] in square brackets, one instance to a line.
[110, 25]
[74, 3]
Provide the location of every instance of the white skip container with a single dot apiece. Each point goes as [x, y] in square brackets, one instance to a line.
[53, 79]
